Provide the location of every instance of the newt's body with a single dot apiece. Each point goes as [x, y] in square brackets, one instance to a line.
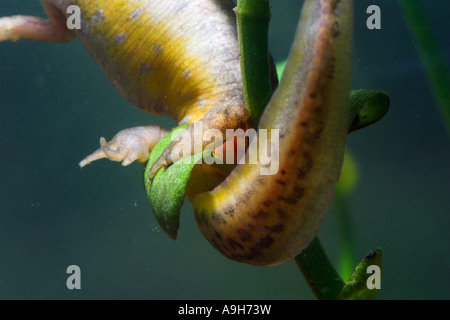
[142, 47]
[180, 58]
[174, 57]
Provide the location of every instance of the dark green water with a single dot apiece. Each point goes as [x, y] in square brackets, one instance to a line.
[55, 104]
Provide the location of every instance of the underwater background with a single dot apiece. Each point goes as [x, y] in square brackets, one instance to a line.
[55, 104]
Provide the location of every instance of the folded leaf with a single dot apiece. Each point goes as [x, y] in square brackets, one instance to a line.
[357, 287]
[367, 107]
[166, 192]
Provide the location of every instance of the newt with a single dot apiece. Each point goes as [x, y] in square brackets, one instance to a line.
[180, 58]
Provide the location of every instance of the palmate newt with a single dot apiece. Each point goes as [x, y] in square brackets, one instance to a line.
[181, 58]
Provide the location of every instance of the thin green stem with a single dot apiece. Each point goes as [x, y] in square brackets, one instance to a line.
[344, 188]
[253, 18]
[430, 54]
[319, 272]
[347, 242]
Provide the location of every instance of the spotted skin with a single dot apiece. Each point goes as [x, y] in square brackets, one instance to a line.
[174, 57]
[269, 219]
[141, 47]
[180, 58]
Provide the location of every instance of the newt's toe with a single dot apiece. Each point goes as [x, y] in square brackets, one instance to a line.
[128, 145]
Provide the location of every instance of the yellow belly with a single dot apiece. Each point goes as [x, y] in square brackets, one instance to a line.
[161, 59]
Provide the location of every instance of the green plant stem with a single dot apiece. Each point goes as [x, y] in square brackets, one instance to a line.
[430, 54]
[319, 272]
[253, 18]
[253, 24]
[347, 242]
[344, 188]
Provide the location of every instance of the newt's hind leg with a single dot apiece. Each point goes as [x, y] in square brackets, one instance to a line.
[128, 145]
[231, 115]
[35, 28]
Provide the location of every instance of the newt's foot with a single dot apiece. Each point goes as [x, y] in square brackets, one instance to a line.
[203, 134]
[27, 27]
[128, 145]
[34, 28]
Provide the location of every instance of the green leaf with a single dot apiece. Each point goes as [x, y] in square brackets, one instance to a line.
[367, 107]
[166, 192]
[356, 288]
[433, 58]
